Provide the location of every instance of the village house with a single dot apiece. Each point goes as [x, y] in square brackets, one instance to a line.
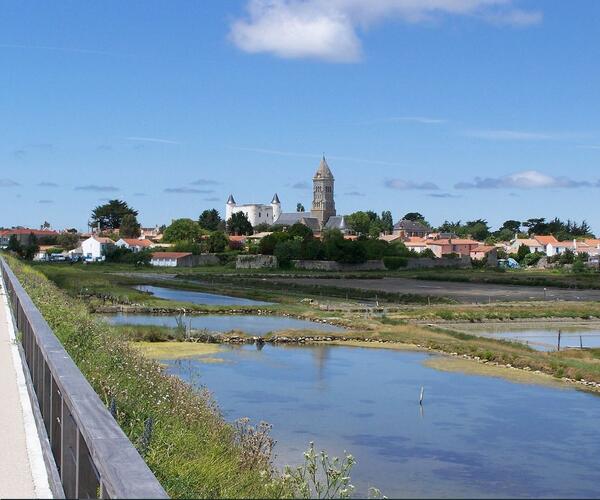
[489, 252]
[410, 228]
[458, 246]
[95, 248]
[134, 244]
[23, 235]
[172, 259]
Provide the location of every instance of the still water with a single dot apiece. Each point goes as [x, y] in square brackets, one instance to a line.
[475, 436]
[541, 338]
[251, 324]
[198, 297]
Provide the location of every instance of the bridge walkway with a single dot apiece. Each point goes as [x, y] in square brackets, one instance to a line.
[22, 469]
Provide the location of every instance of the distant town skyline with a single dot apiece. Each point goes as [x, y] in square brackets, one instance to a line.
[456, 109]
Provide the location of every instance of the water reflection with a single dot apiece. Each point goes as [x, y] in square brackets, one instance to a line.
[251, 324]
[196, 297]
[472, 437]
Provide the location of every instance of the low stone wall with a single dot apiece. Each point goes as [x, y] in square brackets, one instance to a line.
[330, 265]
[256, 262]
[427, 263]
[205, 259]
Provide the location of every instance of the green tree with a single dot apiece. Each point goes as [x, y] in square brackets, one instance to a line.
[522, 252]
[267, 245]
[414, 216]
[300, 207]
[210, 220]
[359, 223]
[238, 223]
[287, 250]
[301, 231]
[14, 245]
[216, 242]
[514, 226]
[31, 248]
[182, 230]
[130, 227]
[68, 241]
[387, 221]
[110, 215]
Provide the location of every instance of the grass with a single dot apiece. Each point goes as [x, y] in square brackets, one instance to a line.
[175, 350]
[193, 452]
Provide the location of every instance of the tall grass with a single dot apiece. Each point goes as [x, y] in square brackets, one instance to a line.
[192, 451]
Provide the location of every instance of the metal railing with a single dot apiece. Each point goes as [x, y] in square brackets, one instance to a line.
[93, 456]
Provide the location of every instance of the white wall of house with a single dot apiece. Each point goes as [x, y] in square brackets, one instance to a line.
[93, 249]
[257, 214]
[164, 262]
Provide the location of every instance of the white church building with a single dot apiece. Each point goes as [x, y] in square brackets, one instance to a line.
[256, 213]
[322, 215]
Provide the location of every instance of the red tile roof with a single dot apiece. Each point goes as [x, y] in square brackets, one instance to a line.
[37, 232]
[134, 242]
[545, 240]
[170, 255]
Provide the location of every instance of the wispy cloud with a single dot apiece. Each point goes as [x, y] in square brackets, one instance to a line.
[402, 184]
[214, 198]
[97, 188]
[19, 153]
[277, 152]
[301, 185]
[519, 135]
[354, 193]
[139, 194]
[443, 195]
[188, 190]
[8, 183]
[104, 147]
[328, 30]
[527, 179]
[588, 146]
[47, 184]
[204, 182]
[46, 202]
[60, 49]
[152, 139]
[423, 120]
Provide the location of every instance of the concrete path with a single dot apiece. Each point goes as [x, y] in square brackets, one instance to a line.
[22, 469]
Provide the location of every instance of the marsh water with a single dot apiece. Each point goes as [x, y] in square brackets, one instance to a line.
[540, 338]
[196, 297]
[474, 436]
[251, 324]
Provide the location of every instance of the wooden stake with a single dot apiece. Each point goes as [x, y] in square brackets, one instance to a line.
[558, 340]
[421, 396]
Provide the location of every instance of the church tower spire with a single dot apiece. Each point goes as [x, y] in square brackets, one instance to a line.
[323, 206]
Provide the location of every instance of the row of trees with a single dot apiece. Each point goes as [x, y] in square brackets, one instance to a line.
[299, 243]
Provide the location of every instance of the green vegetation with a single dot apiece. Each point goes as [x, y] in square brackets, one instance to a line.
[193, 452]
[110, 215]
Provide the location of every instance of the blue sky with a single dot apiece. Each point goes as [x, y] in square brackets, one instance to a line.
[458, 109]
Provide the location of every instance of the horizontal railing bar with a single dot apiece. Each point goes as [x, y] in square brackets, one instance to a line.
[122, 471]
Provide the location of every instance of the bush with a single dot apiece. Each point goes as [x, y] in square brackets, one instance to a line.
[286, 251]
[394, 262]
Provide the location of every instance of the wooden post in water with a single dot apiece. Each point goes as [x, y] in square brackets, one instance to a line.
[421, 396]
[580, 342]
[558, 349]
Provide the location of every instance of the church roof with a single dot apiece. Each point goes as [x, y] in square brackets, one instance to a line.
[230, 199]
[323, 172]
[336, 222]
[291, 218]
[275, 199]
[410, 225]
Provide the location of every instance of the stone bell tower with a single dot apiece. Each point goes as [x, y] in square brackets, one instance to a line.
[323, 205]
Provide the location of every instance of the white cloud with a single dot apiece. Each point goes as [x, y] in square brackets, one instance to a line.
[405, 185]
[518, 135]
[327, 29]
[527, 179]
[152, 139]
